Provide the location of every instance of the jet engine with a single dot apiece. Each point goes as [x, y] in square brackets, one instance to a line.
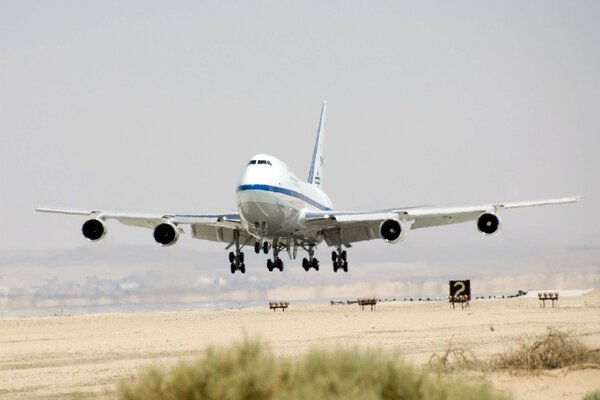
[391, 230]
[488, 223]
[166, 234]
[93, 229]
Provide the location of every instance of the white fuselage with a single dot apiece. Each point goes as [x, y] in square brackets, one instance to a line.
[272, 201]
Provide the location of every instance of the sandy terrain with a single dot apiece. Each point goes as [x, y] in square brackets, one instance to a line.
[42, 357]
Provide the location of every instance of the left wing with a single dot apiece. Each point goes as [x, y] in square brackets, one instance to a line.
[344, 228]
[213, 227]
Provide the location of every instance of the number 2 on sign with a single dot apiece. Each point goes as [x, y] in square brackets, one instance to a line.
[462, 289]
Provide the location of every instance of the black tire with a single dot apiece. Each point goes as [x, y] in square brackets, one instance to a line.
[305, 264]
[345, 266]
[242, 258]
[266, 247]
[335, 266]
[280, 264]
[243, 268]
[333, 256]
[231, 257]
[257, 247]
[315, 264]
[344, 255]
[270, 265]
[232, 268]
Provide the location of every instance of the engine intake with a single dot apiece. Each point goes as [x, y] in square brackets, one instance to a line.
[166, 234]
[488, 223]
[94, 229]
[391, 230]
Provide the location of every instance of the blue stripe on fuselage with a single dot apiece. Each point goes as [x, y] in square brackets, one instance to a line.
[288, 192]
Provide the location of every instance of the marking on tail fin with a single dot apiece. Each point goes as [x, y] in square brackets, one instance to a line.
[315, 174]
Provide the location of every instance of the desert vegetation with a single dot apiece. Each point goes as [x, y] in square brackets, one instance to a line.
[595, 395]
[249, 370]
[555, 350]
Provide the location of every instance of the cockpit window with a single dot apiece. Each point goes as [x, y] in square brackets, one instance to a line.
[262, 162]
[252, 162]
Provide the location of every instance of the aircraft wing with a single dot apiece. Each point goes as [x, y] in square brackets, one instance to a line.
[212, 227]
[343, 227]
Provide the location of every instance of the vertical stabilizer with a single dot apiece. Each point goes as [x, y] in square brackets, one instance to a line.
[315, 174]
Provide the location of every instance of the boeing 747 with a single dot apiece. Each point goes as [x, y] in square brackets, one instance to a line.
[277, 211]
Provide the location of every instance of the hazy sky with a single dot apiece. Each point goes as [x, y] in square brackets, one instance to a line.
[157, 106]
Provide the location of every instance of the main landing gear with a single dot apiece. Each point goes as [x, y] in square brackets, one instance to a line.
[237, 262]
[311, 262]
[339, 260]
[236, 258]
[276, 262]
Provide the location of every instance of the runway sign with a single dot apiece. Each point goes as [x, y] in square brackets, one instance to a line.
[460, 288]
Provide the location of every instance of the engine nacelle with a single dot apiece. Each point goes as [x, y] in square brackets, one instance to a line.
[166, 234]
[391, 230]
[488, 223]
[94, 229]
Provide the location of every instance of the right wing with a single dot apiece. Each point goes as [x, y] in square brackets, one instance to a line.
[344, 228]
[213, 227]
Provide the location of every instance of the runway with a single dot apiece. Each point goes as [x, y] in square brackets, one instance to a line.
[43, 357]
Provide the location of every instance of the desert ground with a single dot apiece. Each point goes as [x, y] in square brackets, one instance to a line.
[53, 356]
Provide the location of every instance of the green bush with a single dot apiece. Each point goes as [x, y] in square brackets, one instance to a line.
[595, 395]
[249, 371]
[245, 371]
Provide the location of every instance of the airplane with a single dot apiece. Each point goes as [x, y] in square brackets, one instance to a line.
[277, 211]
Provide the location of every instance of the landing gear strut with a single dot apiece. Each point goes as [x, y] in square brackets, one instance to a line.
[339, 259]
[312, 262]
[236, 259]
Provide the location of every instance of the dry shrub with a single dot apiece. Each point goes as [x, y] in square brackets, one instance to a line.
[249, 371]
[454, 359]
[553, 351]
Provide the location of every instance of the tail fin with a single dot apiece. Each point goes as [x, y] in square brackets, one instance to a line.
[315, 174]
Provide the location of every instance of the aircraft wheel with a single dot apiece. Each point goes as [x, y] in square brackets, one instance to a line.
[335, 266]
[315, 264]
[344, 255]
[241, 257]
[231, 257]
[345, 266]
[266, 247]
[334, 256]
[279, 264]
[243, 268]
[270, 265]
[232, 268]
[257, 247]
[305, 264]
